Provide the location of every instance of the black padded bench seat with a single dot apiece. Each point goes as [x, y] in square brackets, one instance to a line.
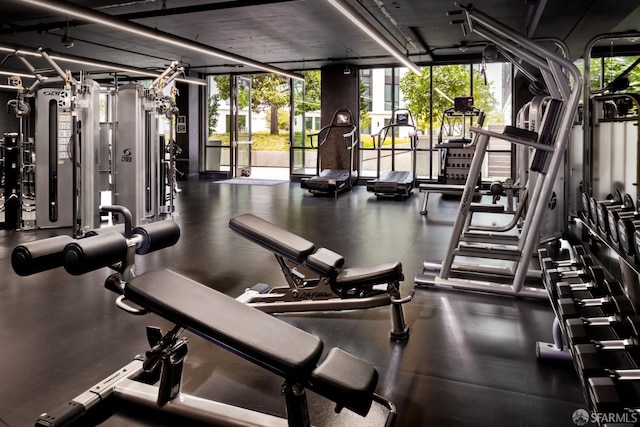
[287, 244]
[256, 336]
[346, 380]
[272, 237]
[250, 333]
[371, 275]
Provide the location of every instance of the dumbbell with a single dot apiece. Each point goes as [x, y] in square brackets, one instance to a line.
[557, 271]
[585, 206]
[616, 303]
[614, 215]
[587, 278]
[593, 358]
[612, 199]
[616, 393]
[547, 261]
[596, 285]
[626, 229]
[636, 244]
[582, 330]
[604, 211]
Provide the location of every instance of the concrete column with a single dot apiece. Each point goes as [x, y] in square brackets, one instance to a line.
[340, 91]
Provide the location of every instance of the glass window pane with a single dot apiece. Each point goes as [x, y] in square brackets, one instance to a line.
[306, 111]
[492, 94]
[217, 146]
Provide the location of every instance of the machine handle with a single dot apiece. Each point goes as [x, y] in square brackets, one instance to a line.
[128, 218]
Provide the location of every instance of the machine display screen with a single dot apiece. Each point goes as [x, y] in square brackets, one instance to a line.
[463, 103]
[343, 119]
[402, 118]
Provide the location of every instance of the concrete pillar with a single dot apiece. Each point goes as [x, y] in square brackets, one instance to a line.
[340, 91]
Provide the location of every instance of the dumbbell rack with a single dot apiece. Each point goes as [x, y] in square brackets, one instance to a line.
[596, 324]
[613, 235]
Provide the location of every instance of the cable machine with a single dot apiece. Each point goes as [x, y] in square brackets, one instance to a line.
[13, 161]
[143, 160]
[66, 134]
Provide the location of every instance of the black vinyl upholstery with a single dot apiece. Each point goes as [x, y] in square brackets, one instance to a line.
[326, 262]
[269, 342]
[346, 380]
[272, 237]
[85, 255]
[41, 255]
[370, 275]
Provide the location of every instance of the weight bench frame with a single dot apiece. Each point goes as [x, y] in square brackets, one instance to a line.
[280, 348]
[330, 287]
[288, 352]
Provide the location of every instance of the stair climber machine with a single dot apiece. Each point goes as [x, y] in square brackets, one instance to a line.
[393, 182]
[499, 262]
[337, 161]
[142, 166]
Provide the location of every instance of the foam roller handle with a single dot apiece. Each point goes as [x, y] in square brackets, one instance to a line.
[118, 228]
[157, 235]
[41, 255]
[85, 255]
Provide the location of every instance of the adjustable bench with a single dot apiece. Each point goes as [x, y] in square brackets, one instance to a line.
[330, 287]
[255, 336]
[275, 345]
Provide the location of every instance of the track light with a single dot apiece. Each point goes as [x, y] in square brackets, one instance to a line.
[116, 67]
[22, 75]
[353, 16]
[108, 66]
[141, 30]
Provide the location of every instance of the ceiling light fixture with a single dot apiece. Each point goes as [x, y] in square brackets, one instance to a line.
[19, 51]
[353, 16]
[11, 73]
[108, 66]
[122, 68]
[141, 30]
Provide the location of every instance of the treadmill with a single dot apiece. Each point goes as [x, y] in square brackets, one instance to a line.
[336, 160]
[392, 182]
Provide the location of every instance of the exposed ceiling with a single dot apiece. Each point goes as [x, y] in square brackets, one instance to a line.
[297, 34]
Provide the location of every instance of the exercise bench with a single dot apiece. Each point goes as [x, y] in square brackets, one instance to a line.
[329, 287]
[251, 334]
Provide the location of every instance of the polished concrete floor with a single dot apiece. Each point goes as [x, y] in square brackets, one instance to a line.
[470, 359]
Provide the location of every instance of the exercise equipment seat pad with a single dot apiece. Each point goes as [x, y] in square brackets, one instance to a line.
[345, 379]
[371, 275]
[258, 337]
[272, 237]
[326, 262]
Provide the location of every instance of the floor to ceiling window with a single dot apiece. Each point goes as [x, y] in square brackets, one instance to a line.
[428, 97]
